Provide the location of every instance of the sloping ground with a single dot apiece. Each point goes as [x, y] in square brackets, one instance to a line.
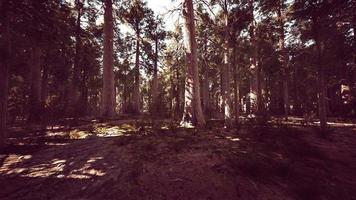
[131, 160]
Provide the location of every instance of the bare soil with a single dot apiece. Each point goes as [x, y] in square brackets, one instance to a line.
[130, 159]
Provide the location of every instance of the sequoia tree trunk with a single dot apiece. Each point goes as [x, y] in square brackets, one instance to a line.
[154, 106]
[193, 113]
[108, 93]
[35, 91]
[321, 75]
[4, 68]
[282, 59]
[136, 90]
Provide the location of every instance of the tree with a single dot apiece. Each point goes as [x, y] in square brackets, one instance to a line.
[137, 15]
[4, 67]
[193, 113]
[156, 34]
[108, 93]
[74, 90]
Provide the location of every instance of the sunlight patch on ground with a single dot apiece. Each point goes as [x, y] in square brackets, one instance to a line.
[232, 138]
[56, 133]
[55, 168]
[11, 160]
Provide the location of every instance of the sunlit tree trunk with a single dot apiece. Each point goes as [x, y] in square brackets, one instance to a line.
[136, 90]
[155, 81]
[35, 94]
[321, 74]
[108, 97]
[4, 67]
[193, 113]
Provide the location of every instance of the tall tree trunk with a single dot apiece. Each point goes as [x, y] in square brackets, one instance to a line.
[4, 68]
[35, 95]
[205, 82]
[321, 75]
[253, 96]
[44, 86]
[282, 59]
[108, 97]
[193, 113]
[74, 90]
[136, 90]
[84, 92]
[178, 93]
[354, 56]
[236, 88]
[155, 82]
[226, 89]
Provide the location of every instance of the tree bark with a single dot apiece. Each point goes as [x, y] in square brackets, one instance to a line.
[44, 86]
[354, 56]
[253, 95]
[226, 89]
[205, 82]
[4, 68]
[136, 90]
[74, 90]
[282, 59]
[321, 75]
[193, 113]
[155, 81]
[35, 95]
[108, 97]
[236, 89]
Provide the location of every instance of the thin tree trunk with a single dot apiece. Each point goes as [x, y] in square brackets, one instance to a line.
[44, 86]
[253, 96]
[35, 94]
[193, 113]
[108, 97]
[136, 90]
[4, 69]
[236, 89]
[205, 87]
[282, 59]
[226, 73]
[321, 76]
[154, 106]
[74, 90]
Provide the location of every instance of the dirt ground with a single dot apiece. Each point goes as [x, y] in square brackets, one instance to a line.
[143, 160]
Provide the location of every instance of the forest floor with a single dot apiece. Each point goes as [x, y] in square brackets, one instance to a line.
[138, 159]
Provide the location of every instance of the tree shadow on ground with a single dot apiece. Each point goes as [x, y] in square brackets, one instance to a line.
[135, 159]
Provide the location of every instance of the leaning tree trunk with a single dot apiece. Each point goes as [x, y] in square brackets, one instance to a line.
[35, 94]
[136, 90]
[108, 97]
[154, 106]
[193, 113]
[4, 68]
[321, 75]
